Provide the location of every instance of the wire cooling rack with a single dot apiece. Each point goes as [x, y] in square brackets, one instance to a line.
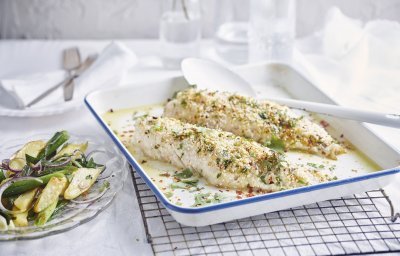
[349, 225]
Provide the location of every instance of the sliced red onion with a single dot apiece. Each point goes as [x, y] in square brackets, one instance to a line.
[12, 169]
[37, 167]
[8, 183]
[5, 163]
[88, 156]
[105, 177]
[91, 199]
[78, 151]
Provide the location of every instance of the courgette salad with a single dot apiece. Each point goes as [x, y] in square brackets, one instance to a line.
[42, 178]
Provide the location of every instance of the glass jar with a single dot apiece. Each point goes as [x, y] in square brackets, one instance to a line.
[271, 30]
[231, 22]
[180, 31]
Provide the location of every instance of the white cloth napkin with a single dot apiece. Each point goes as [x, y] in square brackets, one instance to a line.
[108, 69]
[358, 62]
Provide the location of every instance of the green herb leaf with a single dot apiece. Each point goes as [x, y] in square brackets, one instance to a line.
[185, 174]
[106, 184]
[201, 199]
[262, 115]
[316, 166]
[302, 181]
[262, 178]
[207, 198]
[168, 194]
[192, 183]
[276, 144]
[30, 159]
[184, 184]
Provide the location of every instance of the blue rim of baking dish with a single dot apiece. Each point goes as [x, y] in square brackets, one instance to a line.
[239, 202]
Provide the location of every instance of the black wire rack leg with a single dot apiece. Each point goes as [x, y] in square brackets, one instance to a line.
[393, 215]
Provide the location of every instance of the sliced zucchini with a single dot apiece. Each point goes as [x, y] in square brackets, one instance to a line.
[50, 193]
[17, 163]
[24, 201]
[82, 180]
[31, 148]
[20, 219]
[3, 224]
[45, 215]
[74, 149]
[11, 225]
[18, 160]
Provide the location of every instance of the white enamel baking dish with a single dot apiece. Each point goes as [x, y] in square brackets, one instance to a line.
[276, 75]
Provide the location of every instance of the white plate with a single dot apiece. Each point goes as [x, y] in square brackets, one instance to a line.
[275, 80]
[48, 110]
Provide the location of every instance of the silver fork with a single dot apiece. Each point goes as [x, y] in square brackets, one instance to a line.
[71, 62]
[82, 68]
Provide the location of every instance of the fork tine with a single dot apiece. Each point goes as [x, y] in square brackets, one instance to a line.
[71, 58]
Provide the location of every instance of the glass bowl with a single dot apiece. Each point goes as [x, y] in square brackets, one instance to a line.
[73, 214]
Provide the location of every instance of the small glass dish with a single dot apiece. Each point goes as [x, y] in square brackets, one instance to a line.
[73, 214]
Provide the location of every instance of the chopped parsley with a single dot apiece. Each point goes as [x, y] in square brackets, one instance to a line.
[185, 174]
[207, 198]
[105, 185]
[316, 166]
[262, 115]
[227, 162]
[191, 183]
[157, 128]
[302, 180]
[89, 177]
[184, 184]
[178, 185]
[168, 194]
[276, 144]
[262, 178]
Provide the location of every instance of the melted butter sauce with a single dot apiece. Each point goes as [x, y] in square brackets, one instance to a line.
[350, 164]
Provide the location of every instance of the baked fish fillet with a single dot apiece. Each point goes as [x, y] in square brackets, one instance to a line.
[222, 158]
[263, 121]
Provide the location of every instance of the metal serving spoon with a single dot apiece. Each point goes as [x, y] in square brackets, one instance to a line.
[207, 74]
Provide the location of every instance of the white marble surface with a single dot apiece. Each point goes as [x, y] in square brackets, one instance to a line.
[118, 230]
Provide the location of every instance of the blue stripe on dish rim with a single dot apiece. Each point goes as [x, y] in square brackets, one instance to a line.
[239, 202]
